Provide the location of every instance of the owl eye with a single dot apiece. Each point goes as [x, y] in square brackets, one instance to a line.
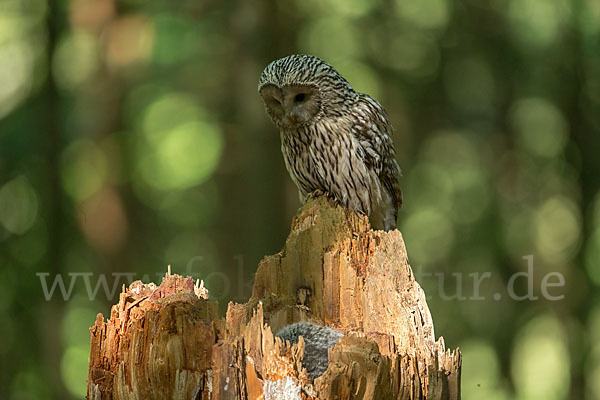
[299, 97]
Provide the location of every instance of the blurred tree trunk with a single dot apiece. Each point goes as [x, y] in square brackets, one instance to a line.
[52, 144]
[259, 33]
[168, 342]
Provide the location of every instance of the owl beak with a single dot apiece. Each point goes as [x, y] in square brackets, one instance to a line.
[293, 116]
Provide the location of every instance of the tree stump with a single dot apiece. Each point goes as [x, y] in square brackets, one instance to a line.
[167, 342]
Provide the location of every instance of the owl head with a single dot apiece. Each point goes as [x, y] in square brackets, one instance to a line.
[301, 89]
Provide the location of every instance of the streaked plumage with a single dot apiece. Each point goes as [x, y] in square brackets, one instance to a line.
[333, 139]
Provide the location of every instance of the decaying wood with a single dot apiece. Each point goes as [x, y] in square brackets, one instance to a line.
[167, 342]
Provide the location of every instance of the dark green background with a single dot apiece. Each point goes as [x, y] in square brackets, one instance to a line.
[132, 137]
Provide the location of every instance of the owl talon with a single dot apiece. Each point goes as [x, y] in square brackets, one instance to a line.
[316, 193]
[335, 200]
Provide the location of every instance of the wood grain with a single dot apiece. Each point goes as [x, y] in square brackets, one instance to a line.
[167, 342]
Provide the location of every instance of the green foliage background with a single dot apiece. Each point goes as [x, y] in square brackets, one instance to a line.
[132, 137]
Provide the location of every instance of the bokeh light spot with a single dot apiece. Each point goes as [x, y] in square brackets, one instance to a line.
[537, 22]
[103, 220]
[75, 337]
[592, 372]
[589, 17]
[16, 68]
[481, 375]
[541, 128]
[23, 13]
[413, 54]
[429, 235]
[428, 14]
[90, 14]
[343, 8]
[18, 205]
[75, 325]
[342, 39]
[166, 112]
[129, 41]
[181, 149]
[186, 156]
[429, 185]
[83, 169]
[471, 195]
[362, 77]
[540, 360]
[457, 156]
[76, 59]
[74, 369]
[449, 148]
[558, 229]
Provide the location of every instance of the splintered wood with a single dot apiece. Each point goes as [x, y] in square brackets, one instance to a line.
[167, 342]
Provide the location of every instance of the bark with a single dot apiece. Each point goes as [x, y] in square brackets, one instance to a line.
[167, 342]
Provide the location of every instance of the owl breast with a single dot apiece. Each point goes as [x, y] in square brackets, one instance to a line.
[326, 156]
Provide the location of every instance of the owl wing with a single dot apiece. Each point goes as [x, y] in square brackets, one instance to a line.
[374, 132]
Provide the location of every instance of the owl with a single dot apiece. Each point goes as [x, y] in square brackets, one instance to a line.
[334, 140]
